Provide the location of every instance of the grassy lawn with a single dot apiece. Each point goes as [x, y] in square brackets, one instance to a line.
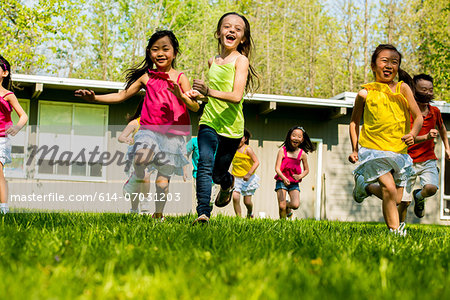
[122, 256]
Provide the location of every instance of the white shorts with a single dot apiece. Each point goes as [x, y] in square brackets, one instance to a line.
[428, 173]
[170, 149]
[375, 163]
[246, 188]
[5, 150]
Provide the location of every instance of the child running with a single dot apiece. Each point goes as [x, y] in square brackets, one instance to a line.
[127, 137]
[290, 157]
[164, 118]
[422, 153]
[8, 102]
[386, 133]
[221, 126]
[246, 181]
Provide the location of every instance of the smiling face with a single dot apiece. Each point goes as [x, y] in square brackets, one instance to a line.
[386, 66]
[425, 87]
[296, 138]
[231, 32]
[162, 54]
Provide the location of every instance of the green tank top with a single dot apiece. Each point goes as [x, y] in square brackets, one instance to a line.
[227, 119]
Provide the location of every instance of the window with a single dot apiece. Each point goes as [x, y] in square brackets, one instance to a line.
[68, 134]
[19, 144]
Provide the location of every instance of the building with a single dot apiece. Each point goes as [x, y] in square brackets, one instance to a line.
[56, 117]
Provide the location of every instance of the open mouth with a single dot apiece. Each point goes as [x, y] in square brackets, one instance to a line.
[387, 73]
[230, 38]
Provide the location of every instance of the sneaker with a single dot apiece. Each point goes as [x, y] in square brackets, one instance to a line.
[419, 205]
[224, 196]
[250, 216]
[359, 191]
[398, 231]
[4, 209]
[203, 219]
[159, 217]
[134, 211]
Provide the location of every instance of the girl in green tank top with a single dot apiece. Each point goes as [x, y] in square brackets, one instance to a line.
[221, 126]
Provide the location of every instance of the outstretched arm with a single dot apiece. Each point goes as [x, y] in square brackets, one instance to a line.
[113, 98]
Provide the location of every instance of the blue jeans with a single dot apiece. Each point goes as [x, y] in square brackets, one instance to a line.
[210, 169]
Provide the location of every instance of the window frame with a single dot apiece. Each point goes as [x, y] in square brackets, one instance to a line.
[69, 177]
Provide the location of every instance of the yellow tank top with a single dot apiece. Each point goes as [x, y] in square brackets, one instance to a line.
[242, 163]
[386, 118]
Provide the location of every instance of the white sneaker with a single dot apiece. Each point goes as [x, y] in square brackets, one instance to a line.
[4, 210]
[398, 232]
[359, 191]
[144, 207]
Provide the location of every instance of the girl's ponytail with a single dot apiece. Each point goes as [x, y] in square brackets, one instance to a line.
[406, 78]
[4, 64]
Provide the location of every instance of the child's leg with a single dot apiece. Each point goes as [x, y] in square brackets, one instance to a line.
[236, 203]
[225, 152]
[3, 192]
[403, 210]
[249, 205]
[294, 196]
[390, 197]
[281, 196]
[162, 188]
[208, 140]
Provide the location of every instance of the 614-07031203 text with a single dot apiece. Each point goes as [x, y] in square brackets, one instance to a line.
[97, 196]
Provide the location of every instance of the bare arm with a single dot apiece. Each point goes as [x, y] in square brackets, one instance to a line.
[358, 109]
[255, 165]
[125, 136]
[240, 80]
[278, 167]
[415, 112]
[305, 171]
[191, 104]
[444, 137]
[23, 117]
[113, 98]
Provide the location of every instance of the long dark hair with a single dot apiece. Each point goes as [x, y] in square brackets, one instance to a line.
[246, 48]
[135, 73]
[248, 135]
[306, 145]
[402, 74]
[5, 65]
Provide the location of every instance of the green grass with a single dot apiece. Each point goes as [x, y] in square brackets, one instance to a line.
[119, 256]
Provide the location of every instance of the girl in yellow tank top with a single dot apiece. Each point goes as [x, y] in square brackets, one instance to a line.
[246, 181]
[385, 106]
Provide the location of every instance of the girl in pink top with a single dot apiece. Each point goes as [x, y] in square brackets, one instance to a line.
[8, 102]
[164, 117]
[289, 171]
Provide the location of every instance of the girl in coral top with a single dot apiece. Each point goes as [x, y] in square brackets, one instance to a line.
[246, 181]
[385, 135]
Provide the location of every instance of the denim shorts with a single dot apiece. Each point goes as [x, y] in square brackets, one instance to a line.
[280, 185]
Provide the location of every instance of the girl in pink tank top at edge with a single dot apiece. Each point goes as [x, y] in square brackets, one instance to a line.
[8, 102]
[164, 121]
[288, 167]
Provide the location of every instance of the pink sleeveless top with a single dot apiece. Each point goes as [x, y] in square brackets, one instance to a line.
[162, 111]
[290, 166]
[5, 114]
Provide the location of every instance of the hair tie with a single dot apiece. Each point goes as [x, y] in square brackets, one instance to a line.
[4, 65]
